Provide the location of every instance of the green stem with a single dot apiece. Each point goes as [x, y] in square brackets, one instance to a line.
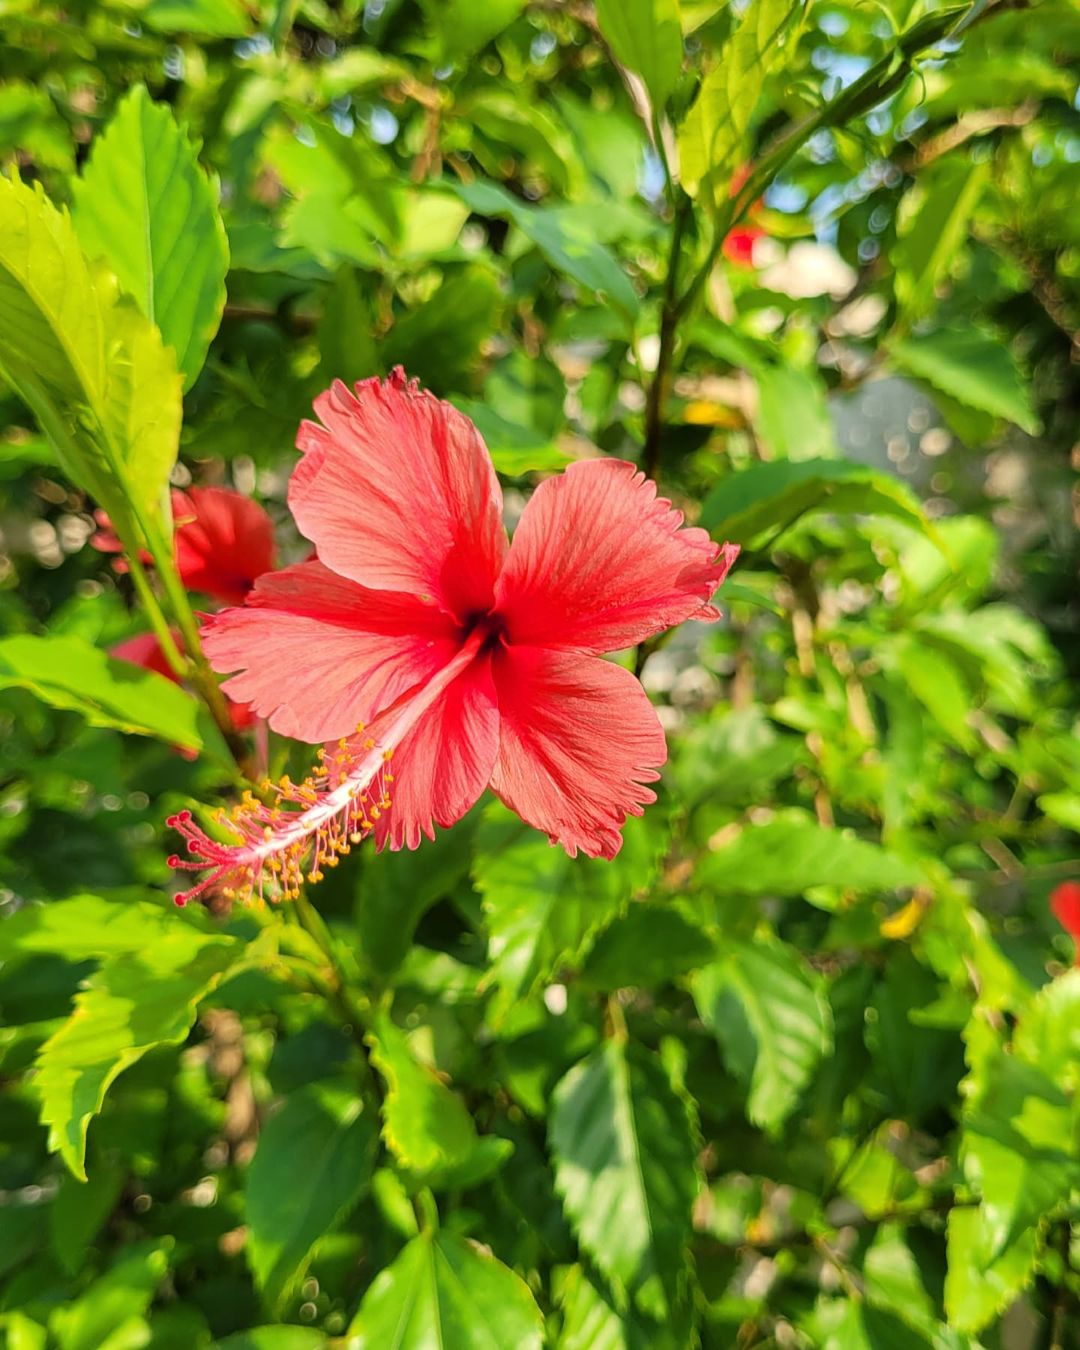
[353, 1009]
[427, 1211]
[158, 621]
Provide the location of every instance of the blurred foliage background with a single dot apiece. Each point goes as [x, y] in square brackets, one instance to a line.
[800, 1067]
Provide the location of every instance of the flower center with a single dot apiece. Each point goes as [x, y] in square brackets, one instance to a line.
[490, 625]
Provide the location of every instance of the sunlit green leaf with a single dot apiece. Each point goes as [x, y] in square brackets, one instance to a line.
[67, 672]
[645, 37]
[133, 1004]
[623, 1146]
[972, 367]
[713, 139]
[91, 367]
[444, 1293]
[932, 228]
[144, 204]
[425, 1125]
[769, 1013]
[768, 498]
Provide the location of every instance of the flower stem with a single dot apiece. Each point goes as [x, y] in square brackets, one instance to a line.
[158, 621]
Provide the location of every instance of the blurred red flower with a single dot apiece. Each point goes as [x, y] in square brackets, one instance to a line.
[738, 246]
[1065, 903]
[223, 542]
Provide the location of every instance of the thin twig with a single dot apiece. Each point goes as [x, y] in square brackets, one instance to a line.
[656, 396]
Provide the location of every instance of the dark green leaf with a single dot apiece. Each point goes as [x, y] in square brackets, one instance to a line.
[315, 1158]
[648, 946]
[119, 1297]
[541, 907]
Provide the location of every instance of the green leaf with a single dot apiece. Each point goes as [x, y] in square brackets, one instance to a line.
[772, 496]
[274, 1338]
[624, 1150]
[1063, 808]
[357, 70]
[793, 418]
[86, 926]
[396, 889]
[1017, 1149]
[977, 1288]
[564, 239]
[515, 449]
[1048, 1033]
[133, 1004]
[791, 854]
[646, 947]
[66, 672]
[936, 682]
[439, 342]
[144, 205]
[772, 1020]
[646, 37]
[972, 367]
[462, 27]
[589, 1322]
[346, 347]
[93, 369]
[543, 908]
[425, 1125]
[916, 1067]
[114, 1302]
[327, 1126]
[208, 18]
[931, 229]
[444, 1293]
[714, 138]
[856, 1324]
[80, 1209]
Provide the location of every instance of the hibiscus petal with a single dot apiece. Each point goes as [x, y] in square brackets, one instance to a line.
[397, 491]
[224, 541]
[578, 741]
[443, 765]
[316, 654]
[599, 562]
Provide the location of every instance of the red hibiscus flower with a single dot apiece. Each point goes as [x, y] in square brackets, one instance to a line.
[477, 662]
[1065, 902]
[145, 650]
[223, 542]
[738, 245]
